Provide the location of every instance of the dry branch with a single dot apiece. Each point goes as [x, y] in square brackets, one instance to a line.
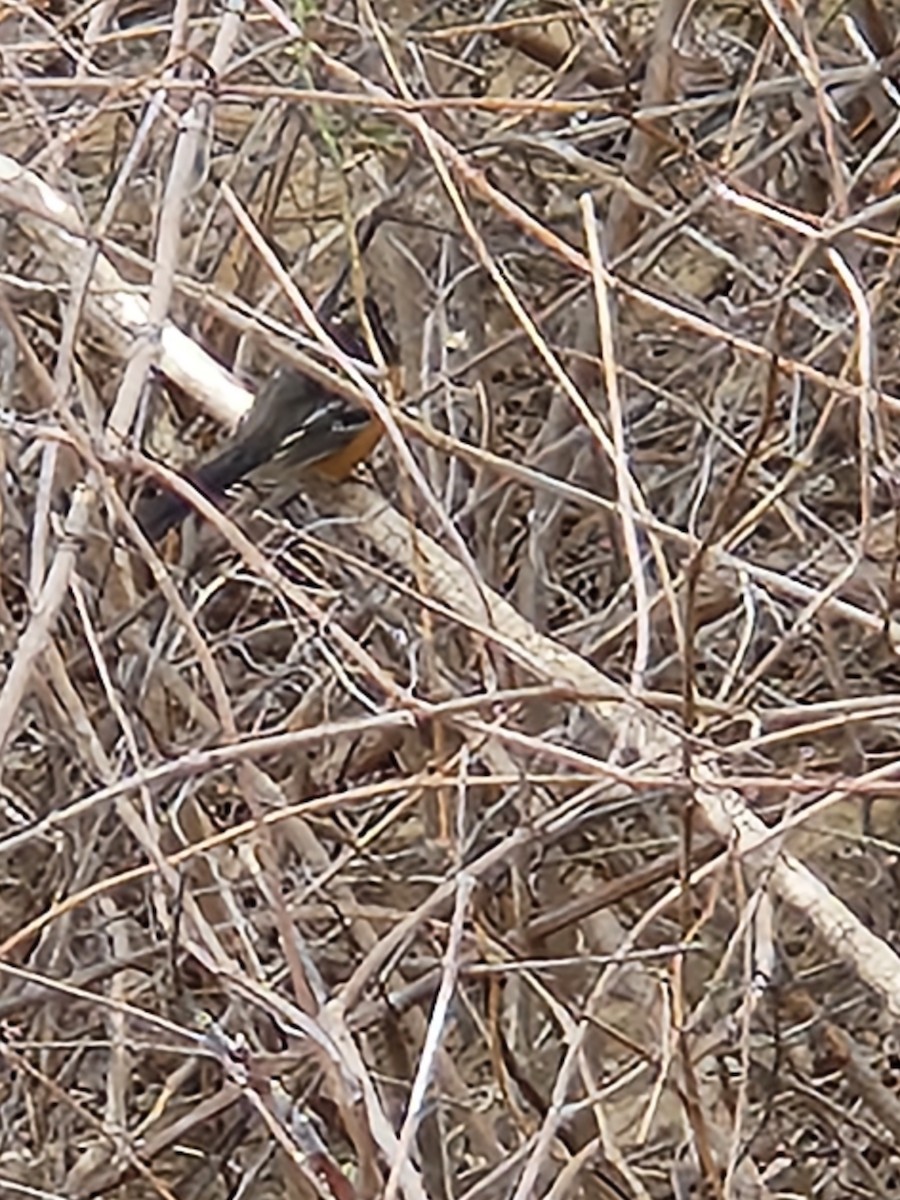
[368, 787]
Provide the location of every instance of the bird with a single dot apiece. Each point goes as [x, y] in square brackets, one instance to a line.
[294, 423]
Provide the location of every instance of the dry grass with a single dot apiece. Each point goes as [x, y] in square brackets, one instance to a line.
[519, 819]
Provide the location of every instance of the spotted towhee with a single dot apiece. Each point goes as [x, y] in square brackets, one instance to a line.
[294, 423]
